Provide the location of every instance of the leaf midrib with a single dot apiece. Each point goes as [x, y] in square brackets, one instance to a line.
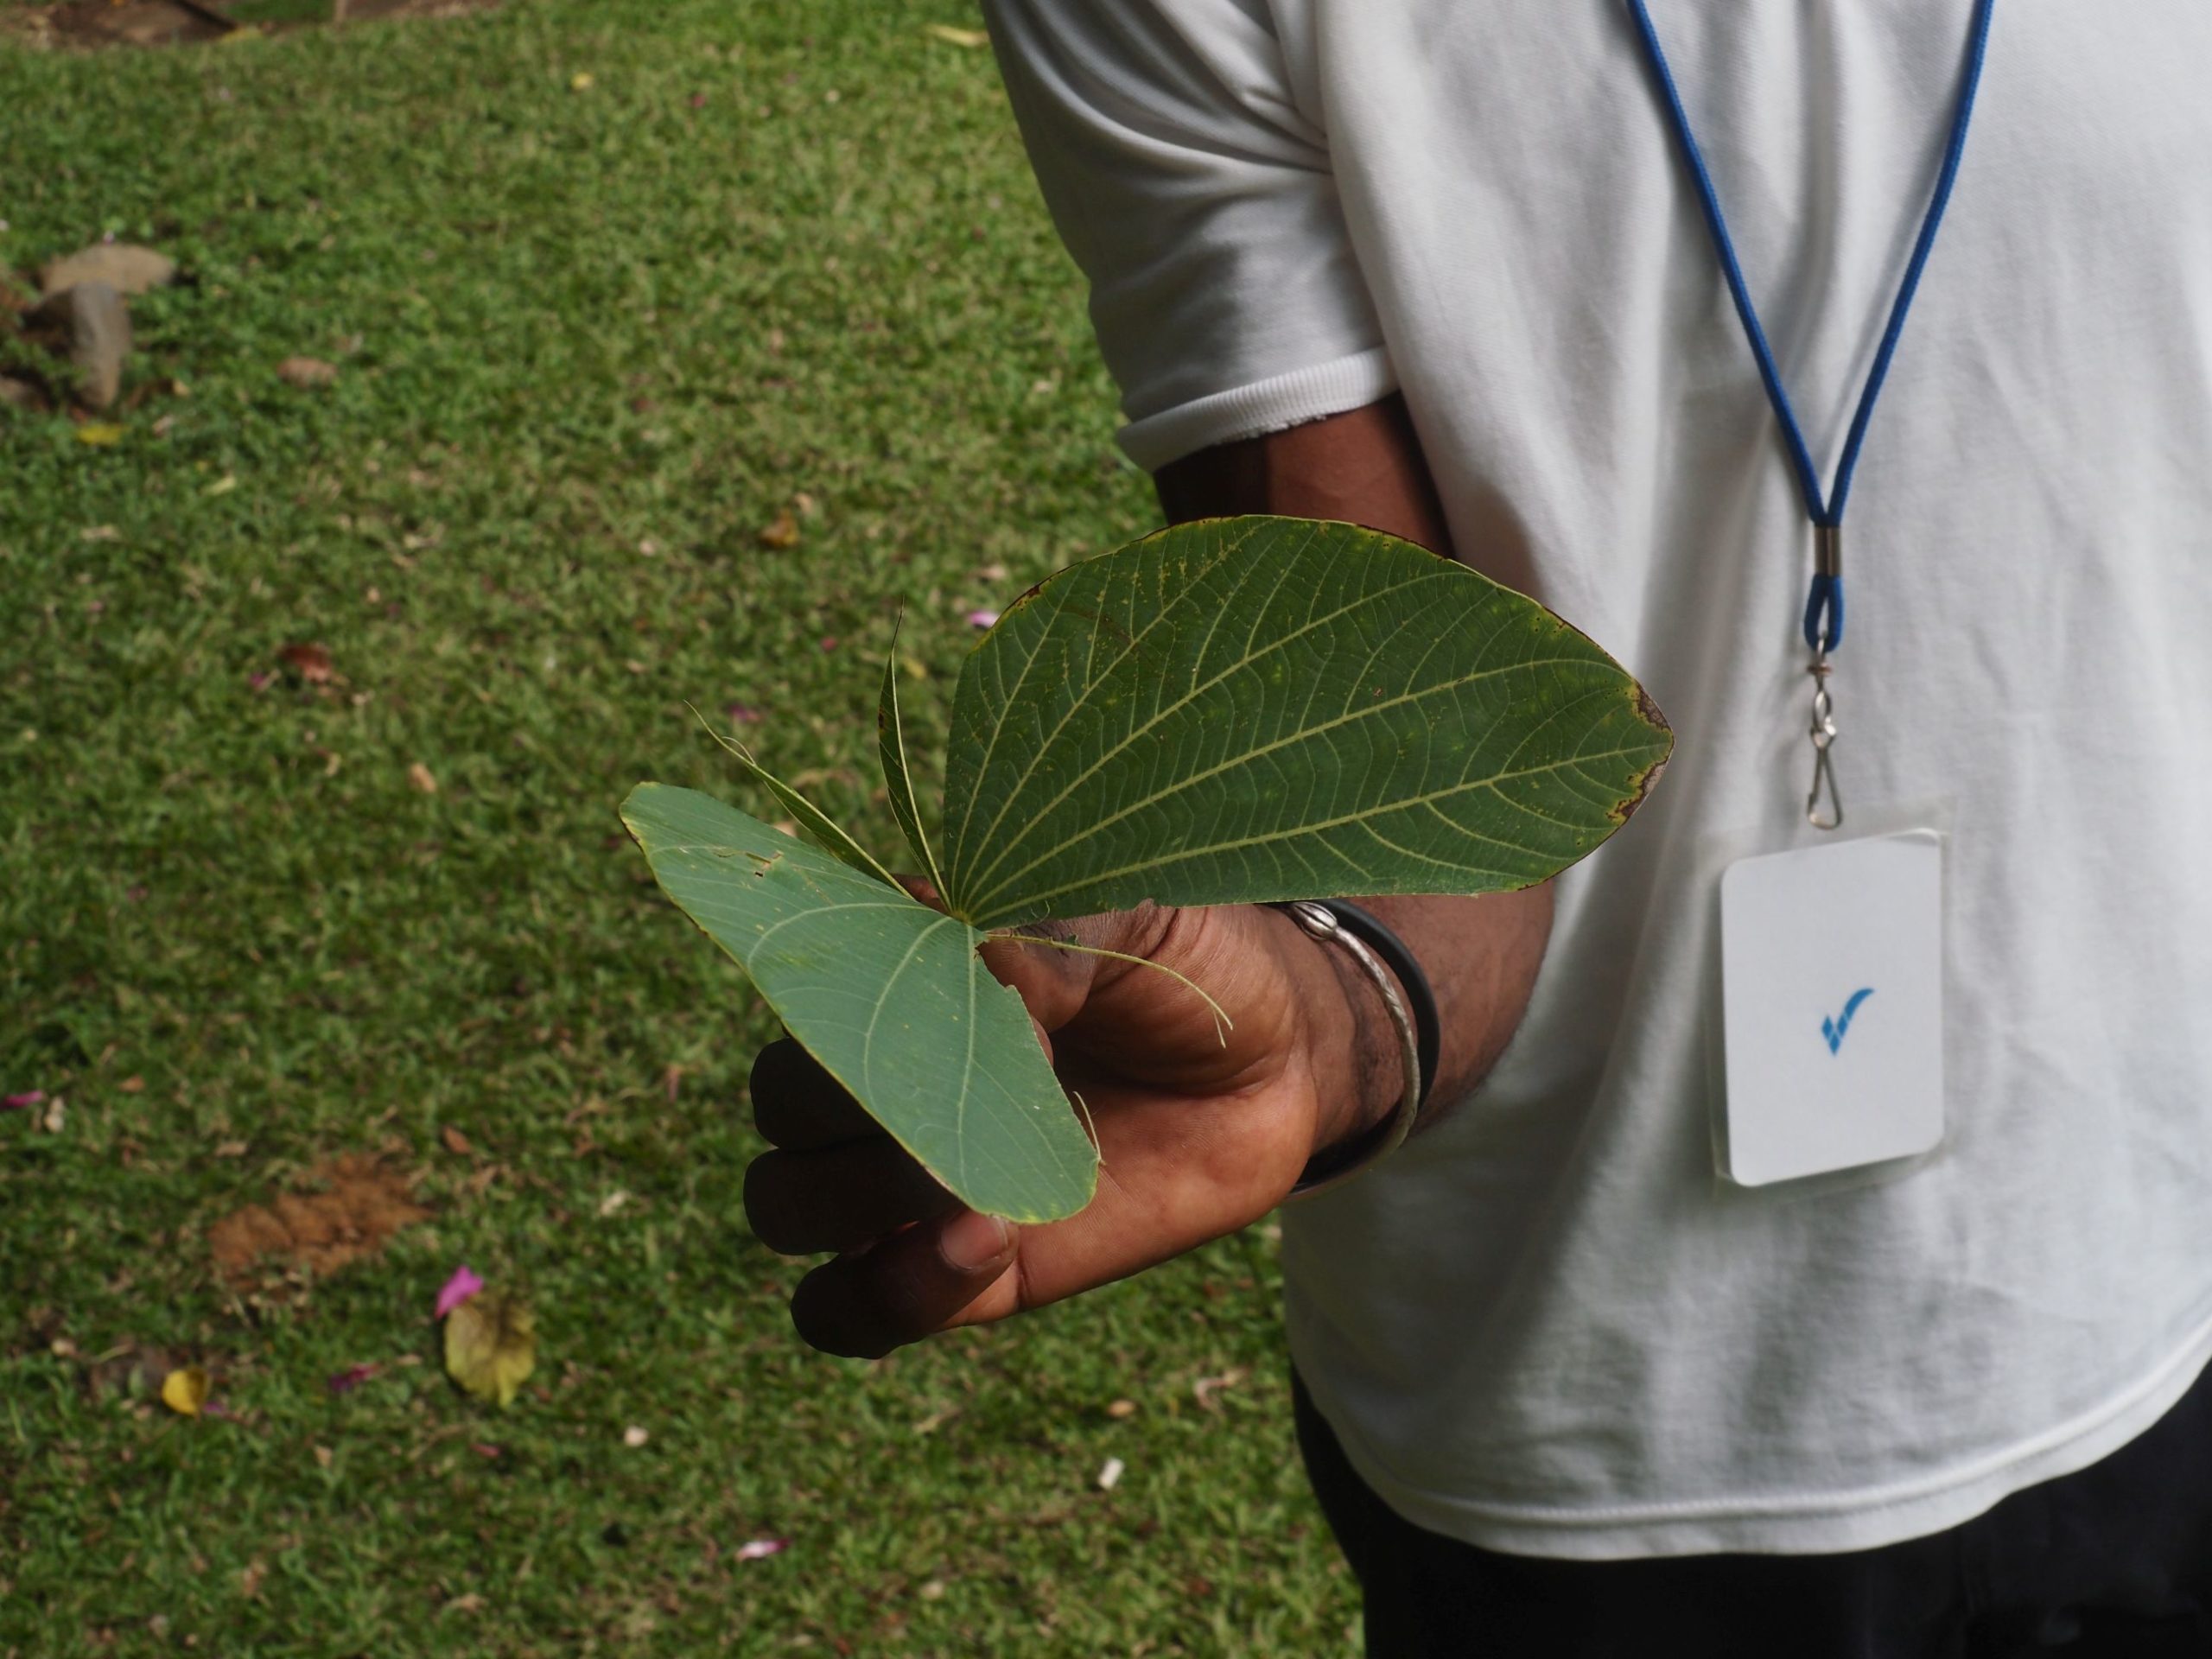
[1359, 817]
[982, 905]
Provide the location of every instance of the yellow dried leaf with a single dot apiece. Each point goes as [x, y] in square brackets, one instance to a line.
[490, 1344]
[104, 433]
[185, 1391]
[967, 37]
[581, 81]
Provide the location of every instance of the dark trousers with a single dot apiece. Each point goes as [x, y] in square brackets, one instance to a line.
[2112, 1563]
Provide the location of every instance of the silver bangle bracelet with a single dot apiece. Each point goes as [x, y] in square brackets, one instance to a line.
[1318, 924]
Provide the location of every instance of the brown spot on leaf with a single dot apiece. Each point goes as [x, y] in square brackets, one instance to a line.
[1648, 711]
[353, 1207]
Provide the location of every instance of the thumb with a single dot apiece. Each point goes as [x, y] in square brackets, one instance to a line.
[1058, 966]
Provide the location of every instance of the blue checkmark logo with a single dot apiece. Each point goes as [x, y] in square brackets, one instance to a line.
[1833, 1029]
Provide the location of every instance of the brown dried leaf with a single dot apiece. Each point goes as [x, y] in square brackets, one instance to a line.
[419, 778]
[306, 372]
[456, 1142]
[1206, 1388]
[782, 535]
[310, 661]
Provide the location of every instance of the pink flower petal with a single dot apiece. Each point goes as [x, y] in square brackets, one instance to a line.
[28, 1097]
[982, 618]
[459, 1288]
[761, 1549]
[259, 681]
[484, 1451]
[828, 642]
[351, 1377]
[744, 713]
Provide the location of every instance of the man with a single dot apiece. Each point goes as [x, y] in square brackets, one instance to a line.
[1439, 268]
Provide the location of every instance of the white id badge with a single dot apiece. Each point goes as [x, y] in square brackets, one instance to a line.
[1832, 1006]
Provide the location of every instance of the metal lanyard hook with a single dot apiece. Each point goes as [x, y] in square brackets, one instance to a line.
[1823, 734]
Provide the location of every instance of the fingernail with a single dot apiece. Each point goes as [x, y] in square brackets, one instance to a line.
[972, 1241]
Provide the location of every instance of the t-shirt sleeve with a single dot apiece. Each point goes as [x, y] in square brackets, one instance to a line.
[1197, 198]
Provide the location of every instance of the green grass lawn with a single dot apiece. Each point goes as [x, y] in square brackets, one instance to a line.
[591, 339]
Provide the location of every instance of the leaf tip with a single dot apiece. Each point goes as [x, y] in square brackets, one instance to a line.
[1641, 785]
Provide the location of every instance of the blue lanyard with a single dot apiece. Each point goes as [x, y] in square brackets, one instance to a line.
[1824, 604]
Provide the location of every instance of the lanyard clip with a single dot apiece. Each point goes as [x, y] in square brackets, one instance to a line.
[1823, 633]
[1823, 734]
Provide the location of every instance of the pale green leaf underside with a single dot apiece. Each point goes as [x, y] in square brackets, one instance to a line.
[1257, 708]
[812, 818]
[888, 995]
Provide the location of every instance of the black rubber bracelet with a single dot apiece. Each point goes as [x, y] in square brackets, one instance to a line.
[1420, 1000]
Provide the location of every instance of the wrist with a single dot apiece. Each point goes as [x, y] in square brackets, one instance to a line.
[1353, 1053]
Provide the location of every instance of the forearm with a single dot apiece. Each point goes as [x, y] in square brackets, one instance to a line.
[1481, 955]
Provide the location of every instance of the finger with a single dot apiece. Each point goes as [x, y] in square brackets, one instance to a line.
[799, 1106]
[1176, 1173]
[914, 1282]
[838, 1198]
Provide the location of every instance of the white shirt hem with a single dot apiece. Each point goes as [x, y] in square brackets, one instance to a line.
[1788, 1523]
[1269, 405]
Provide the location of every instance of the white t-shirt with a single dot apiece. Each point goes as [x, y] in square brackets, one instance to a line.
[1547, 1326]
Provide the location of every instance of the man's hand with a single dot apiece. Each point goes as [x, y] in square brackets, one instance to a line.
[1197, 1138]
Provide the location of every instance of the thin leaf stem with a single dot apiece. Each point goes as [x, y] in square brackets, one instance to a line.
[1223, 1024]
[820, 824]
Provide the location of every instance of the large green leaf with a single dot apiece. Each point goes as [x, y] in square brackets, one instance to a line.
[1233, 711]
[1246, 710]
[888, 995]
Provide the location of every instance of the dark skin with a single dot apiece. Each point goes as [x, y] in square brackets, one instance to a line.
[1197, 1139]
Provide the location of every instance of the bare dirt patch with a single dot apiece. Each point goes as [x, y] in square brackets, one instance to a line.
[355, 1206]
[177, 22]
